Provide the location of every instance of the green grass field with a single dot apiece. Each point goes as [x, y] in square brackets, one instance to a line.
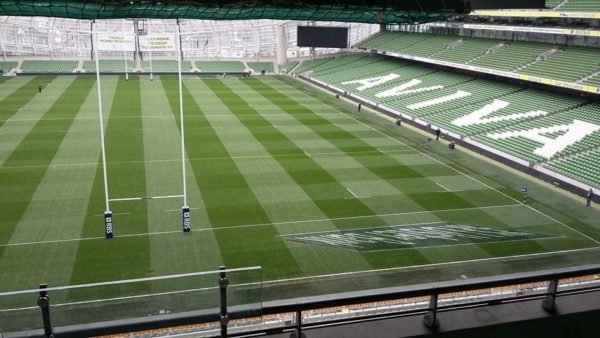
[279, 175]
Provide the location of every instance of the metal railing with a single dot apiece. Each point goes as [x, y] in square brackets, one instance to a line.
[228, 310]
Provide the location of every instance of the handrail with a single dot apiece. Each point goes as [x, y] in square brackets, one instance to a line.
[128, 281]
[376, 295]
[298, 305]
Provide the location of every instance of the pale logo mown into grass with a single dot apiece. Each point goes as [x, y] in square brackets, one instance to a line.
[411, 236]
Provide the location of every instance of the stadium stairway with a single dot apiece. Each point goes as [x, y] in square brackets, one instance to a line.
[590, 78]
[246, 67]
[561, 3]
[289, 67]
[310, 64]
[8, 66]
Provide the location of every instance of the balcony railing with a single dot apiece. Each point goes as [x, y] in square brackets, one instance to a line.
[229, 303]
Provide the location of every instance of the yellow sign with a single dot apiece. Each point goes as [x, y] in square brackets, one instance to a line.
[557, 83]
[583, 32]
[538, 14]
[544, 30]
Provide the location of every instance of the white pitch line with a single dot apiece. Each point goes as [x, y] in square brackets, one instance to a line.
[274, 126]
[171, 210]
[448, 190]
[298, 279]
[473, 243]
[399, 268]
[307, 154]
[381, 151]
[353, 194]
[268, 224]
[444, 164]
[117, 214]
[53, 241]
[213, 115]
[88, 118]
[143, 198]
[164, 197]
[125, 199]
[189, 159]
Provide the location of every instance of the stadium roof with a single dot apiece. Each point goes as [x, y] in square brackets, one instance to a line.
[366, 11]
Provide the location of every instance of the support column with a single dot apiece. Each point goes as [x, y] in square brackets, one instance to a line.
[382, 27]
[281, 45]
[2, 29]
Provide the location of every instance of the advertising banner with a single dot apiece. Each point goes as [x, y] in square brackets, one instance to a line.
[153, 43]
[116, 42]
[537, 14]
[543, 30]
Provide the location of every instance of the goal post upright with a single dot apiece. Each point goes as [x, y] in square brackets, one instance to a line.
[151, 68]
[124, 51]
[108, 223]
[185, 209]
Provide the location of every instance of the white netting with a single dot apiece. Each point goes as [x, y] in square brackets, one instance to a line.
[68, 38]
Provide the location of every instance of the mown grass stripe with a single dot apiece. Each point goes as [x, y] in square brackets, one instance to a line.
[11, 104]
[54, 212]
[8, 88]
[474, 167]
[429, 201]
[309, 174]
[228, 199]
[117, 258]
[280, 196]
[20, 185]
[169, 254]
[387, 168]
[325, 191]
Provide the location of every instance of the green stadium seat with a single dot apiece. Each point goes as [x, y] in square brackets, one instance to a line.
[48, 66]
[580, 6]
[165, 66]
[220, 66]
[108, 66]
[7, 66]
[423, 86]
[260, 66]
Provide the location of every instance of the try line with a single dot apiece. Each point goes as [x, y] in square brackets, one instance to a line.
[143, 198]
[398, 151]
[260, 224]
